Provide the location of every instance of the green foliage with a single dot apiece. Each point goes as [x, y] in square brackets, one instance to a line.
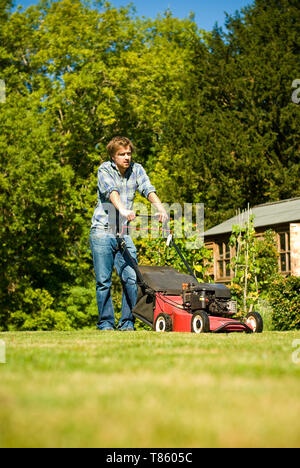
[284, 297]
[266, 254]
[154, 251]
[236, 133]
[37, 314]
[80, 306]
[255, 264]
[244, 283]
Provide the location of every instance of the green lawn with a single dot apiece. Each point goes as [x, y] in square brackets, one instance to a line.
[144, 389]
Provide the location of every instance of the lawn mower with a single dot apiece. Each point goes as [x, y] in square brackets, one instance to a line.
[172, 301]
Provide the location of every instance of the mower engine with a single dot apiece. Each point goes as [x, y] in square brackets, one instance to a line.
[199, 298]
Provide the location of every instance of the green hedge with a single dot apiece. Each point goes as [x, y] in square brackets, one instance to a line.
[76, 309]
[284, 297]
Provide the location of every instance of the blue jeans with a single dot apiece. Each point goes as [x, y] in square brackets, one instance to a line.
[105, 257]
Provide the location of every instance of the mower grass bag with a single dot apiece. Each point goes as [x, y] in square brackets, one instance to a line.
[172, 301]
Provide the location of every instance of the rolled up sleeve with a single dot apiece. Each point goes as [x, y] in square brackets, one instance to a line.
[106, 183]
[144, 185]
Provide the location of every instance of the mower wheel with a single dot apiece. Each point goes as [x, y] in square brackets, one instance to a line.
[255, 321]
[200, 322]
[163, 323]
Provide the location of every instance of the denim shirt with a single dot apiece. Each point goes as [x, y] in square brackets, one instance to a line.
[110, 179]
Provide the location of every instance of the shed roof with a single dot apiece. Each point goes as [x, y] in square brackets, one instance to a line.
[269, 214]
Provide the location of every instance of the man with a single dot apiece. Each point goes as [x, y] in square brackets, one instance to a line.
[118, 181]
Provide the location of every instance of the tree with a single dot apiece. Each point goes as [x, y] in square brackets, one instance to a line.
[71, 85]
[238, 141]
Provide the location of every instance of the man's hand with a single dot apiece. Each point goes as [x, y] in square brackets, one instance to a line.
[163, 217]
[116, 201]
[128, 214]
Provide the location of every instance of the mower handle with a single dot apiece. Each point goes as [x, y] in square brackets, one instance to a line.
[170, 242]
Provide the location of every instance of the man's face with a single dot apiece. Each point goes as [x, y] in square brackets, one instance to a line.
[122, 158]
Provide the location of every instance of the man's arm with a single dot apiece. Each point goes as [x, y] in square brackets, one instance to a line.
[147, 190]
[130, 215]
[117, 202]
[153, 198]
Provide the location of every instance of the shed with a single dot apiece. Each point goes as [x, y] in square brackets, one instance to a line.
[283, 217]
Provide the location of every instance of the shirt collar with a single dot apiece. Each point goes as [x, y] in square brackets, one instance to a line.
[127, 173]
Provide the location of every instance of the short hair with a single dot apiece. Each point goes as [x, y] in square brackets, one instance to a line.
[116, 143]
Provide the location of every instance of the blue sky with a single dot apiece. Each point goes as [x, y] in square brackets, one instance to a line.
[207, 12]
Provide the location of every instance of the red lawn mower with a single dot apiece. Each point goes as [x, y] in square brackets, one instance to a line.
[172, 301]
